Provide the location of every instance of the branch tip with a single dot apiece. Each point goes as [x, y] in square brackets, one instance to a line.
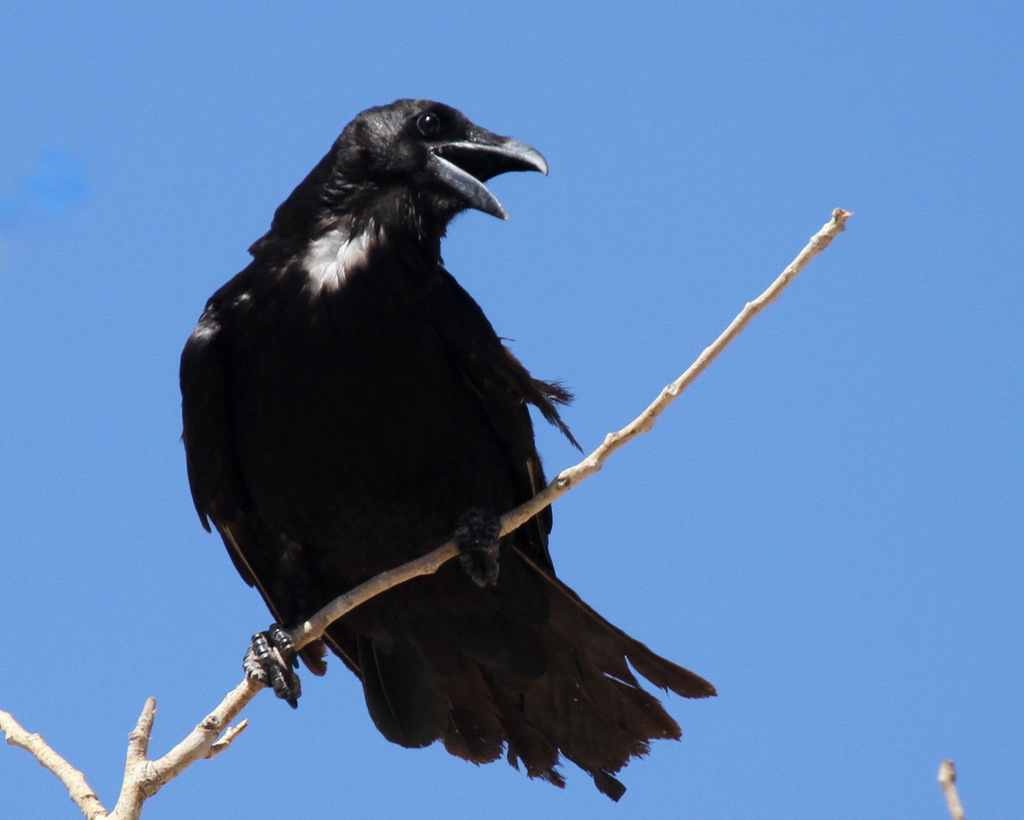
[947, 780]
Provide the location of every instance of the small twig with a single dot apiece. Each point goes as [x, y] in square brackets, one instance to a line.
[144, 778]
[567, 479]
[228, 739]
[947, 779]
[74, 781]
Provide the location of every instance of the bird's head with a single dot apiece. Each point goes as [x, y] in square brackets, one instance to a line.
[432, 151]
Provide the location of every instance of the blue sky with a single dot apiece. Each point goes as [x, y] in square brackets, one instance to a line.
[828, 525]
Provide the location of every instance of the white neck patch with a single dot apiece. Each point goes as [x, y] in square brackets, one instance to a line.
[332, 257]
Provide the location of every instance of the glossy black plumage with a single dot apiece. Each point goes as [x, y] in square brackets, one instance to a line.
[345, 401]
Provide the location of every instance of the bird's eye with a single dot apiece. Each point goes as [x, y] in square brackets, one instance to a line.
[428, 124]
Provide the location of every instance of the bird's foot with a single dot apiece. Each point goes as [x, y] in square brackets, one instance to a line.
[270, 661]
[477, 536]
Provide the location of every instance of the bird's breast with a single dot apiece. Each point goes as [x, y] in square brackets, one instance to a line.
[356, 426]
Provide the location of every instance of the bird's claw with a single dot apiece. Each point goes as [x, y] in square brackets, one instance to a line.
[477, 536]
[270, 661]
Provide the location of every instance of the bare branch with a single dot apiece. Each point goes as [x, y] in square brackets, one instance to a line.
[947, 779]
[144, 778]
[567, 479]
[74, 781]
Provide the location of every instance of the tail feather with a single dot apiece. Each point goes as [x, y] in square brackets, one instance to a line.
[607, 784]
[575, 619]
[526, 742]
[474, 731]
[404, 696]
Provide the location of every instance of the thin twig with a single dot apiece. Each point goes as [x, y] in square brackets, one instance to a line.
[229, 737]
[144, 778]
[947, 779]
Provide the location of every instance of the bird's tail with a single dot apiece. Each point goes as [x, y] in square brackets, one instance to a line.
[588, 704]
[552, 679]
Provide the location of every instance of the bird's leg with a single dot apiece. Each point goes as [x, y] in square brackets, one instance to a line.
[270, 661]
[477, 536]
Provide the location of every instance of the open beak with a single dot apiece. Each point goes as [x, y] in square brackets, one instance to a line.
[464, 166]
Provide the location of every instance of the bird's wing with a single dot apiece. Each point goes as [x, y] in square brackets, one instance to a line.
[218, 490]
[215, 478]
[504, 388]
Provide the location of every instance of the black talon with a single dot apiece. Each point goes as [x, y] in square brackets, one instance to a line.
[270, 661]
[476, 535]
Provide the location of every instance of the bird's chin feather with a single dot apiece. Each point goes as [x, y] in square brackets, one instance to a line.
[331, 258]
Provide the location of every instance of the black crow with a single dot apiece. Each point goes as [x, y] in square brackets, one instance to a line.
[348, 407]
